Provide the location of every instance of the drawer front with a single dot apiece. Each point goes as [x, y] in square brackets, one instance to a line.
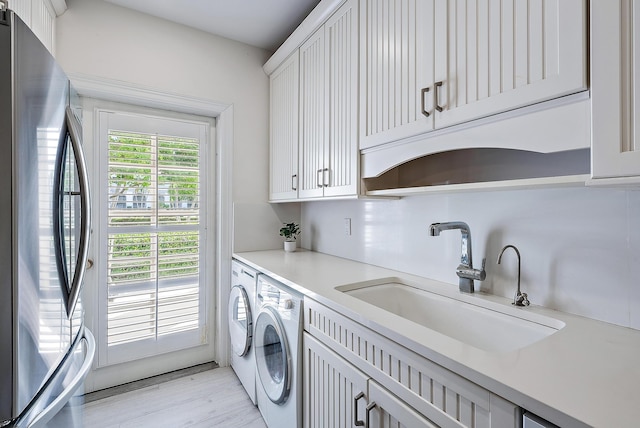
[441, 395]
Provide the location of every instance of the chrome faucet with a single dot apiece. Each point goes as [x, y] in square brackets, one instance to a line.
[520, 299]
[465, 270]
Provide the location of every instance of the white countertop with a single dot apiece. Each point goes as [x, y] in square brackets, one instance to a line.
[586, 374]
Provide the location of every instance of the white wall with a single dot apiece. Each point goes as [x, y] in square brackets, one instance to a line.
[102, 41]
[580, 247]
[99, 39]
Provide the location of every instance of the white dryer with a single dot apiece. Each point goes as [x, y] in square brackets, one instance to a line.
[278, 333]
[242, 317]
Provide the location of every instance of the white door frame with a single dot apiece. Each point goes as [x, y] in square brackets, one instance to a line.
[122, 92]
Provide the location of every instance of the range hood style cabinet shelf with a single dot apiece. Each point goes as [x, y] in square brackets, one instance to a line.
[366, 93]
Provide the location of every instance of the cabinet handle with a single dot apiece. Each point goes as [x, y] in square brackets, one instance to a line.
[357, 422]
[320, 184]
[370, 407]
[325, 177]
[293, 179]
[437, 103]
[422, 93]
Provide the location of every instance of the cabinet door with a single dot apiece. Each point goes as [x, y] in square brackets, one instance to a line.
[334, 392]
[39, 17]
[396, 69]
[283, 176]
[495, 55]
[385, 410]
[313, 113]
[615, 92]
[22, 8]
[341, 38]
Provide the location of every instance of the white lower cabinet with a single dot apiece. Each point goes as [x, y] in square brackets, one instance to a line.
[398, 386]
[385, 410]
[337, 394]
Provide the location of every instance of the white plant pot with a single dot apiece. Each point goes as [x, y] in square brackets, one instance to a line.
[289, 246]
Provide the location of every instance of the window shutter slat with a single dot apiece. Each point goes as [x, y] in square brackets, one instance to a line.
[152, 273]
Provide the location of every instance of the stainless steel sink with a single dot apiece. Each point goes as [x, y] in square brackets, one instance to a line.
[480, 323]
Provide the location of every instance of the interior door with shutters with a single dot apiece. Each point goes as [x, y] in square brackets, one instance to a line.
[154, 211]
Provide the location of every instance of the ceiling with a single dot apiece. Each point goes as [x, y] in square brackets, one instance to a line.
[262, 23]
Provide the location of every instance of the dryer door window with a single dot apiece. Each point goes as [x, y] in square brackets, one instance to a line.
[240, 321]
[273, 361]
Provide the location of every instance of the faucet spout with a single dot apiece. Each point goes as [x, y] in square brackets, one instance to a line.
[436, 228]
[465, 271]
[519, 299]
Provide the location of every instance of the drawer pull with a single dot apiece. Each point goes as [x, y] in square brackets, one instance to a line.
[370, 407]
[422, 94]
[357, 422]
[437, 103]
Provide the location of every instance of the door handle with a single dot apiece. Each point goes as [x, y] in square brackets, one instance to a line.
[73, 128]
[318, 179]
[370, 407]
[294, 178]
[436, 101]
[422, 103]
[56, 405]
[357, 422]
[325, 177]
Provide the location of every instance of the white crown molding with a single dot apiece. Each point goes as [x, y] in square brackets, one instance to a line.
[124, 92]
[311, 23]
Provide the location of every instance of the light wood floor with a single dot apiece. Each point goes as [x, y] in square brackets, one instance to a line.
[213, 398]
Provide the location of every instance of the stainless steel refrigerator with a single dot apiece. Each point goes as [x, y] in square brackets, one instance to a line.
[45, 350]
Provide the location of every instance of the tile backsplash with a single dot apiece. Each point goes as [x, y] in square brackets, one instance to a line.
[580, 247]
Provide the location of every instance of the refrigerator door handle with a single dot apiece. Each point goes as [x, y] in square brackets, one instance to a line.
[54, 407]
[74, 129]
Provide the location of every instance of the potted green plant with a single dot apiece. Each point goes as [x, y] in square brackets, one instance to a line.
[290, 231]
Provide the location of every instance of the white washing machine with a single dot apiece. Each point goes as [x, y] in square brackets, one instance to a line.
[278, 339]
[242, 317]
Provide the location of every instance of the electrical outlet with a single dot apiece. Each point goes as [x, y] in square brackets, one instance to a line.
[347, 227]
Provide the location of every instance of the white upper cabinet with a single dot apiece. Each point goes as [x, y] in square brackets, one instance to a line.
[328, 107]
[615, 91]
[312, 117]
[502, 55]
[430, 64]
[396, 69]
[341, 35]
[40, 16]
[283, 178]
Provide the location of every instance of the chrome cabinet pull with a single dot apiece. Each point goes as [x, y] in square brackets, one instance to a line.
[357, 422]
[293, 179]
[422, 94]
[370, 407]
[318, 179]
[437, 103]
[325, 177]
